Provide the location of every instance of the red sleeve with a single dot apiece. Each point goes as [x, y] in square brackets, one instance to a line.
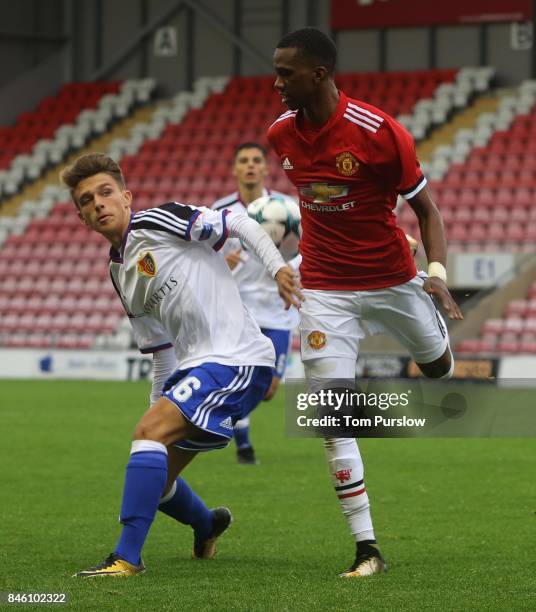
[271, 137]
[394, 157]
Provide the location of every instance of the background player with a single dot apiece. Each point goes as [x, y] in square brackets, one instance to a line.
[257, 288]
[357, 270]
[184, 308]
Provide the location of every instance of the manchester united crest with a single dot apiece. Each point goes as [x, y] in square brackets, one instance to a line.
[147, 264]
[347, 164]
[317, 340]
[343, 475]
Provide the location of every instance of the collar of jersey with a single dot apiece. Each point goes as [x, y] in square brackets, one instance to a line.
[335, 116]
[115, 255]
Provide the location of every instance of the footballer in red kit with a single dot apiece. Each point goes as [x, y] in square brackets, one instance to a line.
[348, 175]
[349, 162]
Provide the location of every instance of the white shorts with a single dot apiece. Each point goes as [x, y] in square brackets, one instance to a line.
[333, 322]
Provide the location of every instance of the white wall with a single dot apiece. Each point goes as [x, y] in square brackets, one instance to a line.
[80, 365]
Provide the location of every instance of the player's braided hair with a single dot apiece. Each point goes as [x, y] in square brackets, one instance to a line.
[312, 44]
[89, 165]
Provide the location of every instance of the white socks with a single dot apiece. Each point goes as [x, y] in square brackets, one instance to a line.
[147, 446]
[242, 423]
[346, 470]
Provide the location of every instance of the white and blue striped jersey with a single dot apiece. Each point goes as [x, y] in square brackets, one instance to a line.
[178, 292]
[258, 289]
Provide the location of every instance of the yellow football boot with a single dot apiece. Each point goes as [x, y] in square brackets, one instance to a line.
[114, 567]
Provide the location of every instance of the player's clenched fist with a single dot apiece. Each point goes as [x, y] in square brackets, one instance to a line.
[435, 287]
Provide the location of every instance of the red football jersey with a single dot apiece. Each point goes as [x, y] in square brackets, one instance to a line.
[348, 175]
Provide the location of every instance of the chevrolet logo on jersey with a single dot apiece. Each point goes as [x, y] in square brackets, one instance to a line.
[322, 192]
[146, 264]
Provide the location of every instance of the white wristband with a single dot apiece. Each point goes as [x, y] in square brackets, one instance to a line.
[437, 269]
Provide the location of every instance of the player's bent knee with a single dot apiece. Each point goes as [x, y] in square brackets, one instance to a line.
[273, 388]
[450, 371]
[269, 395]
[163, 422]
[146, 431]
[151, 426]
[442, 368]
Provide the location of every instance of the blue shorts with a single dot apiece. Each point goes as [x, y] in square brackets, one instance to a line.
[213, 397]
[281, 340]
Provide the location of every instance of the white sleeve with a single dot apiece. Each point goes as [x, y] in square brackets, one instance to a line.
[210, 226]
[149, 334]
[190, 223]
[257, 240]
[164, 364]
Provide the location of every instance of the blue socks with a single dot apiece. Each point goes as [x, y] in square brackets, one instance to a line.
[241, 433]
[182, 504]
[144, 483]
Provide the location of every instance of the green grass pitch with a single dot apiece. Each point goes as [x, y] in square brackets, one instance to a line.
[455, 518]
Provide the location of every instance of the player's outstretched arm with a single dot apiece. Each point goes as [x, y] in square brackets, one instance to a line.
[435, 245]
[256, 239]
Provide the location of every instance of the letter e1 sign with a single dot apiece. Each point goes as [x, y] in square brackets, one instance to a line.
[521, 35]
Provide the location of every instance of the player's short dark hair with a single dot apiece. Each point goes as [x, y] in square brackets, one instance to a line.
[89, 165]
[250, 145]
[312, 44]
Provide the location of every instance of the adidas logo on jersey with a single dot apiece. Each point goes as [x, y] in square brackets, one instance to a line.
[287, 165]
[227, 423]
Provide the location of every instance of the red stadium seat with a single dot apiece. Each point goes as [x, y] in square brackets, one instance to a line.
[516, 308]
[527, 347]
[49, 115]
[493, 326]
[486, 197]
[478, 232]
[463, 215]
[508, 347]
[468, 346]
[457, 233]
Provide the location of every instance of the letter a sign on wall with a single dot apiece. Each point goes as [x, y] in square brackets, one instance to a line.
[165, 42]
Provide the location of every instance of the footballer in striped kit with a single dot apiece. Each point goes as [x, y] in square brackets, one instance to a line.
[257, 288]
[211, 363]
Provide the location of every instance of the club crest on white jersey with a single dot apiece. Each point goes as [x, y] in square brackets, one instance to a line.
[179, 293]
[147, 264]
